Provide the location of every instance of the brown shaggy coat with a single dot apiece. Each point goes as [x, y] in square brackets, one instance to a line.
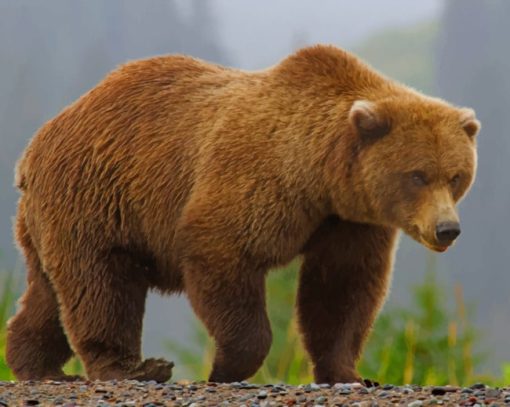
[183, 176]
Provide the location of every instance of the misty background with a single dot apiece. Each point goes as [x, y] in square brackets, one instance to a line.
[51, 52]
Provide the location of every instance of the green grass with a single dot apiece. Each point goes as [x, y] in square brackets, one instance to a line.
[427, 342]
[8, 290]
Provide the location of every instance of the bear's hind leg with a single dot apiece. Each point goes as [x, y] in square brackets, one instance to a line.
[37, 346]
[102, 307]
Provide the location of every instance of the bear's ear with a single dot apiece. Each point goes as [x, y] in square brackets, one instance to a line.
[469, 122]
[368, 120]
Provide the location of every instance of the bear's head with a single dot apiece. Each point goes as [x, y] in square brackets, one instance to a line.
[415, 160]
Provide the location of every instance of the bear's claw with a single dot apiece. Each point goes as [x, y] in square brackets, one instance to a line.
[159, 370]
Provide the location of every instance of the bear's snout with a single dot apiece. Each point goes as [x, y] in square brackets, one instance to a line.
[447, 232]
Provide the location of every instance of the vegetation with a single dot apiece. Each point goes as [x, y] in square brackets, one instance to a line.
[426, 342]
[405, 54]
[8, 290]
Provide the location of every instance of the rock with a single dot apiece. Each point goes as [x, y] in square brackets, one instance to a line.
[262, 395]
[320, 400]
[416, 403]
[493, 393]
[438, 391]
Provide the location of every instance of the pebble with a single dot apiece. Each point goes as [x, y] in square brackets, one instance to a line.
[194, 394]
[493, 393]
[438, 391]
[262, 395]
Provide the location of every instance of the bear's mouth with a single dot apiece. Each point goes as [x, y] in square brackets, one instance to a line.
[439, 249]
[436, 247]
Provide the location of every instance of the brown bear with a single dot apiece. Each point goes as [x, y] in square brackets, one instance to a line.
[178, 175]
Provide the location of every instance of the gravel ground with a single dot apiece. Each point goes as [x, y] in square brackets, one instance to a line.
[150, 394]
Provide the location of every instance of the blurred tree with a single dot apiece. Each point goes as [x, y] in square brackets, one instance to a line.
[52, 52]
[404, 54]
[473, 65]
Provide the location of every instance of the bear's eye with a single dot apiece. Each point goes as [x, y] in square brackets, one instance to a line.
[454, 181]
[419, 178]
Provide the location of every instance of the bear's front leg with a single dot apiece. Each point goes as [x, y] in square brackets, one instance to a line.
[223, 280]
[230, 301]
[343, 283]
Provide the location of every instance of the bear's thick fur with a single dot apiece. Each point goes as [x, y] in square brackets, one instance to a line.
[183, 176]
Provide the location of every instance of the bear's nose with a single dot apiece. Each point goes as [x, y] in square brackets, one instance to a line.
[447, 232]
